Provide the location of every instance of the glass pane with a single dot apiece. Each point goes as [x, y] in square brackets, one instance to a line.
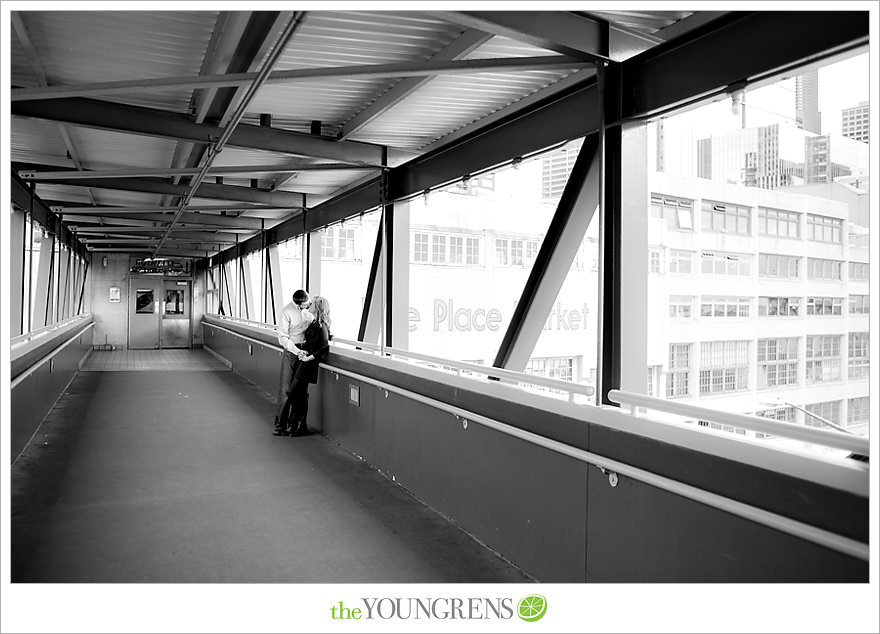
[460, 308]
[779, 162]
[344, 274]
[144, 301]
[173, 302]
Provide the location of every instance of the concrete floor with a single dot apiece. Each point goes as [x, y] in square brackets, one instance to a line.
[174, 476]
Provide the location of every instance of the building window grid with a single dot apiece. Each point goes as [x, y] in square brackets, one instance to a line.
[778, 266]
[681, 261]
[678, 377]
[823, 358]
[857, 411]
[859, 304]
[821, 269]
[420, 247]
[719, 263]
[824, 228]
[858, 271]
[681, 306]
[783, 414]
[654, 261]
[778, 306]
[779, 223]
[825, 306]
[858, 355]
[678, 212]
[725, 306]
[446, 249]
[438, 249]
[724, 366]
[778, 359]
[829, 410]
[726, 218]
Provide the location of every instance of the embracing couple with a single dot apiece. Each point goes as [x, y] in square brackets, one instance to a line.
[304, 335]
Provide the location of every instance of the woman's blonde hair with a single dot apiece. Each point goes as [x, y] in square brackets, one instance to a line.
[321, 310]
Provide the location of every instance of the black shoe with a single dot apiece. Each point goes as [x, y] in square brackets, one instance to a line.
[277, 430]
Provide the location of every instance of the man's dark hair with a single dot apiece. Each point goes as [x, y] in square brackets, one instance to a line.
[300, 296]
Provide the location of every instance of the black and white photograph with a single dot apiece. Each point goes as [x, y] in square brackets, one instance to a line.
[441, 316]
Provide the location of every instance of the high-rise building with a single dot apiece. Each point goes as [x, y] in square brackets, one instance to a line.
[777, 155]
[759, 300]
[854, 122]
[806, 89]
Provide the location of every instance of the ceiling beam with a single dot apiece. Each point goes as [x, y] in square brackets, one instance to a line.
[190, 220]
[171, 125]
[360, 71]
[252, 212]
[131, 172]
[705, 62]
[205, 190]
[33, 58]
[574, 113]
[580, 36]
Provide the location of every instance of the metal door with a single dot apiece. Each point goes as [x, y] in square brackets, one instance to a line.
[176, 323]
[144, 313]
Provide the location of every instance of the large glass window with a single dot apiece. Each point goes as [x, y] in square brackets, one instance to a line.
[818, 413]
[714, 306]
[778, 306]
[777, 362]
[824, 305]
[472, 251]
[346, 269]
[678, 376]
[718, 263]
[824, 229]
[724, 366]
[782, 236]
[819, 269]
[677, 212]
[779, 223]
[858, 355]
[782, 266]
[859, 304]
[823, 358]
[290, 261]
[726, 218]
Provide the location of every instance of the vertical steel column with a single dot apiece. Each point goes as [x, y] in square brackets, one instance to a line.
[608, 376]
[18, 242]
[364, 330]
[387, 268]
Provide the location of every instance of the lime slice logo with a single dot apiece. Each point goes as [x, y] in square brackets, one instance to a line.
[532, 607]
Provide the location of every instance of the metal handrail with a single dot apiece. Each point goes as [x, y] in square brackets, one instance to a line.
[40, 332]
[20, 378]
[836, 542]
[838, 440]
[515, 377]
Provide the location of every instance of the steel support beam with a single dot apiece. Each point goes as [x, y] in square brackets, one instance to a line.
[372, 71]
[562, 241]
[737, 47]
[21, 196]
[565, 32]
[206, 190]
[171, 125]
[574, 113]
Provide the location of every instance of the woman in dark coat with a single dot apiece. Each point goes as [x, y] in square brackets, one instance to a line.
[317, 345]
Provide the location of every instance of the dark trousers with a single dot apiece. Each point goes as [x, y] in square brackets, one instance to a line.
[299, 401]
[288, 371]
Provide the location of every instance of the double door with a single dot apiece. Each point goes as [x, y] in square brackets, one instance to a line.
[159, 313]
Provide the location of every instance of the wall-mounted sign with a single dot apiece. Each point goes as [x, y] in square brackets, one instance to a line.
[169, 267]
[114, 294]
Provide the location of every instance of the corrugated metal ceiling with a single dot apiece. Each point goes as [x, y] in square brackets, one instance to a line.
[78, 48]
